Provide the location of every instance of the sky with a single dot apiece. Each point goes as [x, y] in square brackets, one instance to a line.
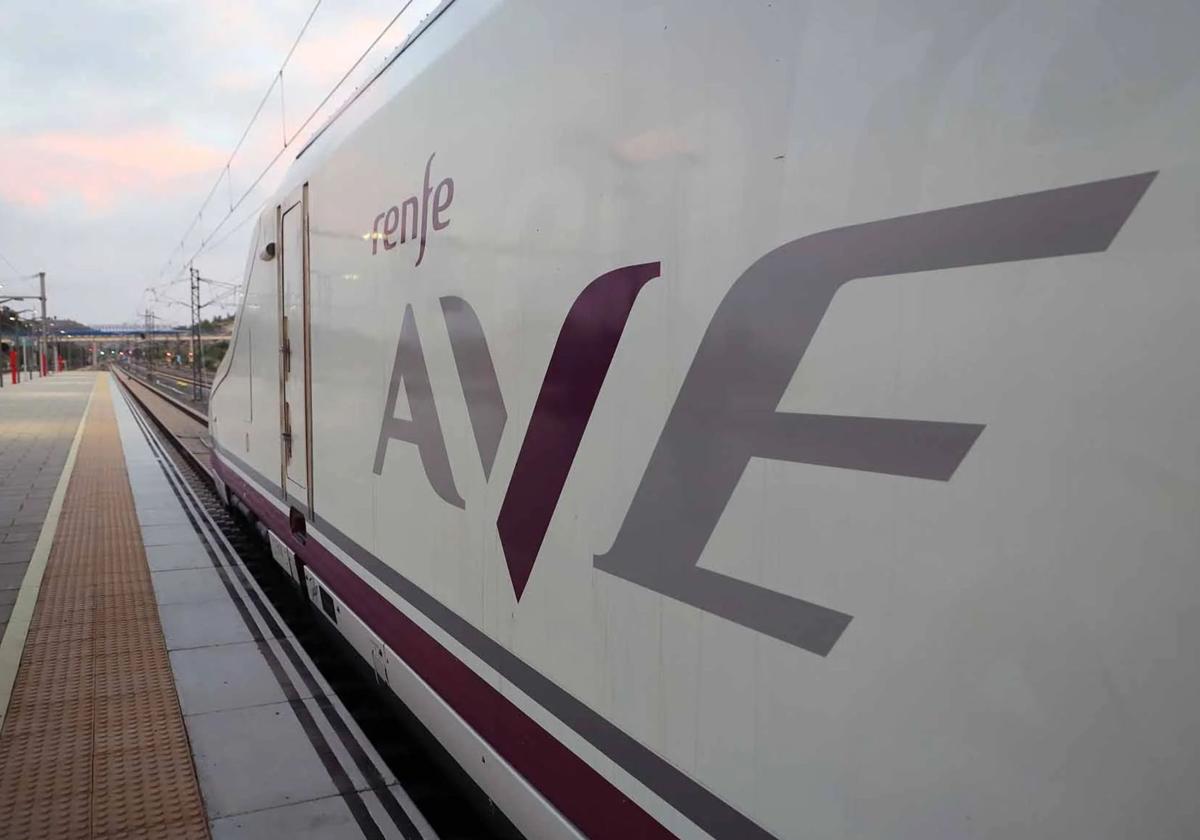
[117, 118]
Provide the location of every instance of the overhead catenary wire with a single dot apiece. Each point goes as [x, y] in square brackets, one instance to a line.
[228, 284]
[225, 172]
[223, 290]
[253, 214]
[17, 273]
[228, 295]
[209, 241]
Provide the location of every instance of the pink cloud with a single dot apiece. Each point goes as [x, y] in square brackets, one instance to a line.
[323, 56]
[240, 79]
[100, 169]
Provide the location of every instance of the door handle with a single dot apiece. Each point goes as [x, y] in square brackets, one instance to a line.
[285, 348]
[287, 431]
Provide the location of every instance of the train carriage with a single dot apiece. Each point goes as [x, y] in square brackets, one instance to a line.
[754, 420]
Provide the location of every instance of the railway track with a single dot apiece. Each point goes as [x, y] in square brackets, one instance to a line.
[452, 804]
[177, 384]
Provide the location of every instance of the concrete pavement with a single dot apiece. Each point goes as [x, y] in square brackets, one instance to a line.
[38, 421]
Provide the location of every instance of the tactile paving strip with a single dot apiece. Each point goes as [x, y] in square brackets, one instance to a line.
[94, 744]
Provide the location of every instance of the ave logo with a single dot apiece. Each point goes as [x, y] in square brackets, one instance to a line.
[726, 411]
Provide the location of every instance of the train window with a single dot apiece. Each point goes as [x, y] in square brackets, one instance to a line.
[327, 605]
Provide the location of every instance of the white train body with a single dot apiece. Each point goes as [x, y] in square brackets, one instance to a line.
[756, 419]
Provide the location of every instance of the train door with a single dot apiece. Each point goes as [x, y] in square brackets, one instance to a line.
[294, 386]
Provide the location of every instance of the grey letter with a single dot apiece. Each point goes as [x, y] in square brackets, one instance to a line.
[424, 429]
[726, 414]
[481, 388]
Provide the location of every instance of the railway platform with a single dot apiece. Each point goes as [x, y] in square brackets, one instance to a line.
[147, 687]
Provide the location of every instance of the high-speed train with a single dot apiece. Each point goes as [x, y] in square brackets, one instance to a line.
[754, 420]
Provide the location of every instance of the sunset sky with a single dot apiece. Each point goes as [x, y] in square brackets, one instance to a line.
[118, 118]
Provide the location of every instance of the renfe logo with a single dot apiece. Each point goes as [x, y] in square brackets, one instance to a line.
[726, 411]
[405, 217]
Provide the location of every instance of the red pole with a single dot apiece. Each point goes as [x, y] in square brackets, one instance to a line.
[62, 364]
[12, 365]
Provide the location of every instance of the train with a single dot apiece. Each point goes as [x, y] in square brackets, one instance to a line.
[753, 420]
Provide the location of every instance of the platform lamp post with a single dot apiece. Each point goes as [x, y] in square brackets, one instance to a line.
[42, 337]
[198, 369]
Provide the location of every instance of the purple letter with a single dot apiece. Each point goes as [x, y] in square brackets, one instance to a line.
[585, 347]
[426, 190]
[375, 234]
[389, 227]
[439, 205]
[408, 219]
